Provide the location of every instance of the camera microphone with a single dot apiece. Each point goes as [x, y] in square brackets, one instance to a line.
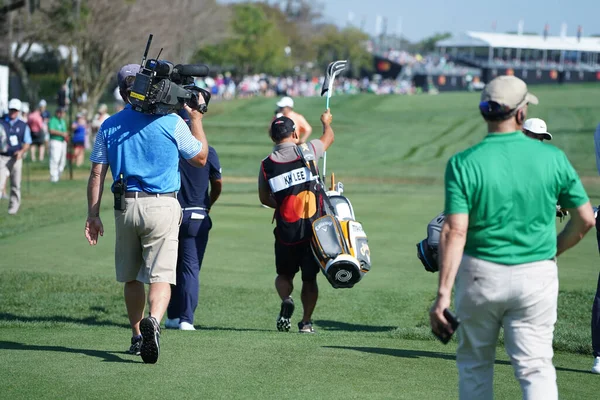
[199, 70]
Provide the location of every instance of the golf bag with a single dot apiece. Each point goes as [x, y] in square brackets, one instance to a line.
[427, 249]
[339, 243]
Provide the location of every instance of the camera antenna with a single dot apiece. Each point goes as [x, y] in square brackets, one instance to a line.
[146, 51]
[159, 53]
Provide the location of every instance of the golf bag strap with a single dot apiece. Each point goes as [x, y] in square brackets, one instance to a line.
[308, 156]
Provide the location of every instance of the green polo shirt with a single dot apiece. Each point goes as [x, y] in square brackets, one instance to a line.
[509, 185]
[57, 124]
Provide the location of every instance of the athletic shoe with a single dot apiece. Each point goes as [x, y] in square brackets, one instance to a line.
[150, 348]
[306, 327]
[136, 344]
[172, 323]
[596, 367]
[283, 320]
[186, 326]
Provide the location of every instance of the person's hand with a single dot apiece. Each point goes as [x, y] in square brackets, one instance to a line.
[326, 118]
[195, 115]
[439, 323]
[19, 155]
[93, 227]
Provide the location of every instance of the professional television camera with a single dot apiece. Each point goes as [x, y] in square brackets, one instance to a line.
[162, 88]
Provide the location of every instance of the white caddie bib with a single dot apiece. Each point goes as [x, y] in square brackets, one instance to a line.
[291, 178]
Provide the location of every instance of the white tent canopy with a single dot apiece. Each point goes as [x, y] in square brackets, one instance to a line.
[515, 41]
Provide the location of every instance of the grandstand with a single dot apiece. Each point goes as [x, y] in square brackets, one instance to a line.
[535, 59]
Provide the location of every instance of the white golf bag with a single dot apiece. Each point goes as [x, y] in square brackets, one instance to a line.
[339, 243]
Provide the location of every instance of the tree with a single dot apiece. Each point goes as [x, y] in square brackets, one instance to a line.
[102, 35]
[347, 44]
[427, 45]
[255, 45]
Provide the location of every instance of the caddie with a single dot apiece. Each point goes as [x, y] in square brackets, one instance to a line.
[286, 184]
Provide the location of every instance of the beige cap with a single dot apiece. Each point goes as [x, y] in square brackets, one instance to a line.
[509, 91]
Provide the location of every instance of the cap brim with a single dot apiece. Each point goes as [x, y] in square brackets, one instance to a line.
[532, 99]
[280, 104]
[547, 135]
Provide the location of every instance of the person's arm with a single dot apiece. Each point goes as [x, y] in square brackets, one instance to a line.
[328, 136]
[26, 143]
[93, 224]
[581, 221]
[452, 242]
[264, 192]
[52, 128]
[216, 181]
[574, 199]
[199, 160]
[306, 130]
[216, 186]
[597, 146]
[191, 144]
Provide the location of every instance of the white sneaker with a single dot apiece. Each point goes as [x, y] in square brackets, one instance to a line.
[596, 367]
[172, 323]
[186, 326]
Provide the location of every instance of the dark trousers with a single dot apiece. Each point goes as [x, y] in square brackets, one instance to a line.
[193, 237]
[596, 306]
[596, 322]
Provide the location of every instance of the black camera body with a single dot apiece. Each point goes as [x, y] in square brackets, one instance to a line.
[161, 88]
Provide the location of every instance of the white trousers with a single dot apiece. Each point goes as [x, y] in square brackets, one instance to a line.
[523, 300]
[58, 159]
[11, 167]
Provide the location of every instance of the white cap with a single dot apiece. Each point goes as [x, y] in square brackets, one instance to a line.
[15, 104]
[537, 126]
[42, 103]
[286, 102]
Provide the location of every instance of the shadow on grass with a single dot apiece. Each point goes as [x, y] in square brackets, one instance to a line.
[92, 321]
[427, 354]
[347, 327]
[228, 329]
[105, 355]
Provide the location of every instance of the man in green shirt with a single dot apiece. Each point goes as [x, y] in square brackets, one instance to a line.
[57, 127]
[501, 197]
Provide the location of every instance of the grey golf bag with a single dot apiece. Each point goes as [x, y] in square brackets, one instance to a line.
[427, 249]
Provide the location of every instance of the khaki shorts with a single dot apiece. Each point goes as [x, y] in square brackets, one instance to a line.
[147, 239]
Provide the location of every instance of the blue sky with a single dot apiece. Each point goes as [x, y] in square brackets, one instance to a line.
[424, 18]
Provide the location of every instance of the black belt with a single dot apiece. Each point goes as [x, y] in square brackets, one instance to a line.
[140, 195]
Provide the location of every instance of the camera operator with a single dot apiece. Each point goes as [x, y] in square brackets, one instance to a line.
[142, 151]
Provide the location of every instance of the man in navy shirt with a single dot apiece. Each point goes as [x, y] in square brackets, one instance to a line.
[143, 153]
[17, 142]
[196, 201]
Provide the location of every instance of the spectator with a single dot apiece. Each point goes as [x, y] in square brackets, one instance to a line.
[79, 128]
[37, 126]
[57, 127]
[505, 278]
[286, 107]
[18, 139]
[97, 121]
[61, 97]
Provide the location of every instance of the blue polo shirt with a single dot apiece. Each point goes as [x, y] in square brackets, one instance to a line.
[145, 149]
[194, 181]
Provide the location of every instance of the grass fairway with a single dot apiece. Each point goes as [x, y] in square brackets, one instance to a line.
[63, 327]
